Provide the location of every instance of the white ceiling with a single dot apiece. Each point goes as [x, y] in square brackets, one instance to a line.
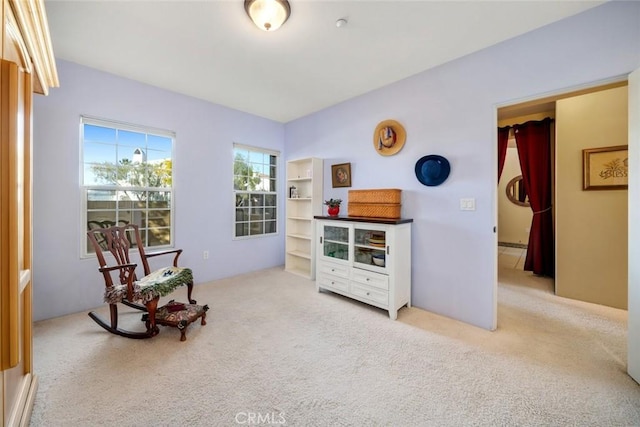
[212, 51]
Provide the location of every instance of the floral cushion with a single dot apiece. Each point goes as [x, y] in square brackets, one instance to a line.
[157, 284]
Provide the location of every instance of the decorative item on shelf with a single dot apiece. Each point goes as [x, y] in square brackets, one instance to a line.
[376, 203]
[377, 240]
[389, 137]
[432, 170]
[333, 206]
[293, 192]
[378, 259]
[341, 175]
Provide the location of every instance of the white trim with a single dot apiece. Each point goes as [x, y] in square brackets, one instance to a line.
[84, 119]
[633, 281]
[563, 92]
[252, 148]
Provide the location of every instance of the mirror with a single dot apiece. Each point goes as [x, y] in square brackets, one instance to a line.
[516, 192]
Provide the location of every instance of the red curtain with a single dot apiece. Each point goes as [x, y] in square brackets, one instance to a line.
[533, 140]
[503, 140]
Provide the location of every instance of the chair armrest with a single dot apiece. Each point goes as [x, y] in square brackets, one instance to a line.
[130, 266]
[129, 277]
[172, 251]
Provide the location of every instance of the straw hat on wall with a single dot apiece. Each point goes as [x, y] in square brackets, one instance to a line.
[389, 137]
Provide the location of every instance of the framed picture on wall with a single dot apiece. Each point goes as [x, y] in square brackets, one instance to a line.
[605, 168]
[341, 175]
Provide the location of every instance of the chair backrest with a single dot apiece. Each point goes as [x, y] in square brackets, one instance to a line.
[118, 240]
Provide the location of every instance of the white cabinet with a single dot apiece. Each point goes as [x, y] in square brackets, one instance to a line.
[367, 260]
[304, 201]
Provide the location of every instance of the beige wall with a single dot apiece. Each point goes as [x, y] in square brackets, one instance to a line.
[591, 226]
[514, 221]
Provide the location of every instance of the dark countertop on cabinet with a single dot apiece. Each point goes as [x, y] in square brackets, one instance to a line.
[365, 219]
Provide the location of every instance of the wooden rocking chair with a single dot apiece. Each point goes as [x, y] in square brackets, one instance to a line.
[142, 294]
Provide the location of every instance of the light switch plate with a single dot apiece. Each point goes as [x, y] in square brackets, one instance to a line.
[468, 204]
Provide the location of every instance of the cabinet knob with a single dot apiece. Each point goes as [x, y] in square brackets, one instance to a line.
[367, 279]
[368, 293]
[333, 283]
[333, 269]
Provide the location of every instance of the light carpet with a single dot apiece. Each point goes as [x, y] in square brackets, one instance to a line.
[275, 351]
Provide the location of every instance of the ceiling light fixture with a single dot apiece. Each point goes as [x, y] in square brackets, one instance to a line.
[268, 15]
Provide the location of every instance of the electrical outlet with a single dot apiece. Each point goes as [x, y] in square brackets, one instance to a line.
[205, 255]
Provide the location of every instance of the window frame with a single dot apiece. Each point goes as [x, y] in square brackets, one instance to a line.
[275, 193]
[86, 188]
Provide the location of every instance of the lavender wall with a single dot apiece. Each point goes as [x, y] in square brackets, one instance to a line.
[64, 283]
[451, 111]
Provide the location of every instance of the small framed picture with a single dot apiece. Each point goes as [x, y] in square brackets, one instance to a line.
[341, 175]
[605, 168]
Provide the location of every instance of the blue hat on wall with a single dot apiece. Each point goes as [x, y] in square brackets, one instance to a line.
[432, 170]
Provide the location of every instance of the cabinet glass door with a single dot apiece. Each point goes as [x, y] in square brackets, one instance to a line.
[335, 243]
[370, 248]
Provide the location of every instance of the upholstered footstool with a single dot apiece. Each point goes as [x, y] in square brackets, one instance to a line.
[181, 315]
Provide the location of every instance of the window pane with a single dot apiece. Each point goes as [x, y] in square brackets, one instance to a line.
[159, 143]
[257, 199]
[138, 166]
[99, 153]
[158, 236]
[242, 199]
[100, 219]
[270, 227]
[242, 214]
[240, 183]
[99, 133]
[128, 155]
[158, 173]
[131, 174]
[159, 218]
[255, 183]
[256, 157]
[100, 174]
[242, 229]
[257, 214]
[101, 199]
[132, 139]
[256, 228]
[270, 213]
[130, 199]
[159, 199]
[136, 217]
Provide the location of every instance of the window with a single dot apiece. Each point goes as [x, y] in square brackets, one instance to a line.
[254, 185]
[127, 175]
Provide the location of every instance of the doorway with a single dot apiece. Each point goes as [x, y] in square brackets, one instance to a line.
[585, 268]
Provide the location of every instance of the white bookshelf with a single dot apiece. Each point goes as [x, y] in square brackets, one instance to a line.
[306, 176]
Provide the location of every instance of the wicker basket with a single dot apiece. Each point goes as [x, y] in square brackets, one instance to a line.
[374, 210]
[385, 196]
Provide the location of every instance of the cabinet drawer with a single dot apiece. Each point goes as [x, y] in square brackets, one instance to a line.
[328, 281]
[369, 278]
[334, 269]
[373, 294]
